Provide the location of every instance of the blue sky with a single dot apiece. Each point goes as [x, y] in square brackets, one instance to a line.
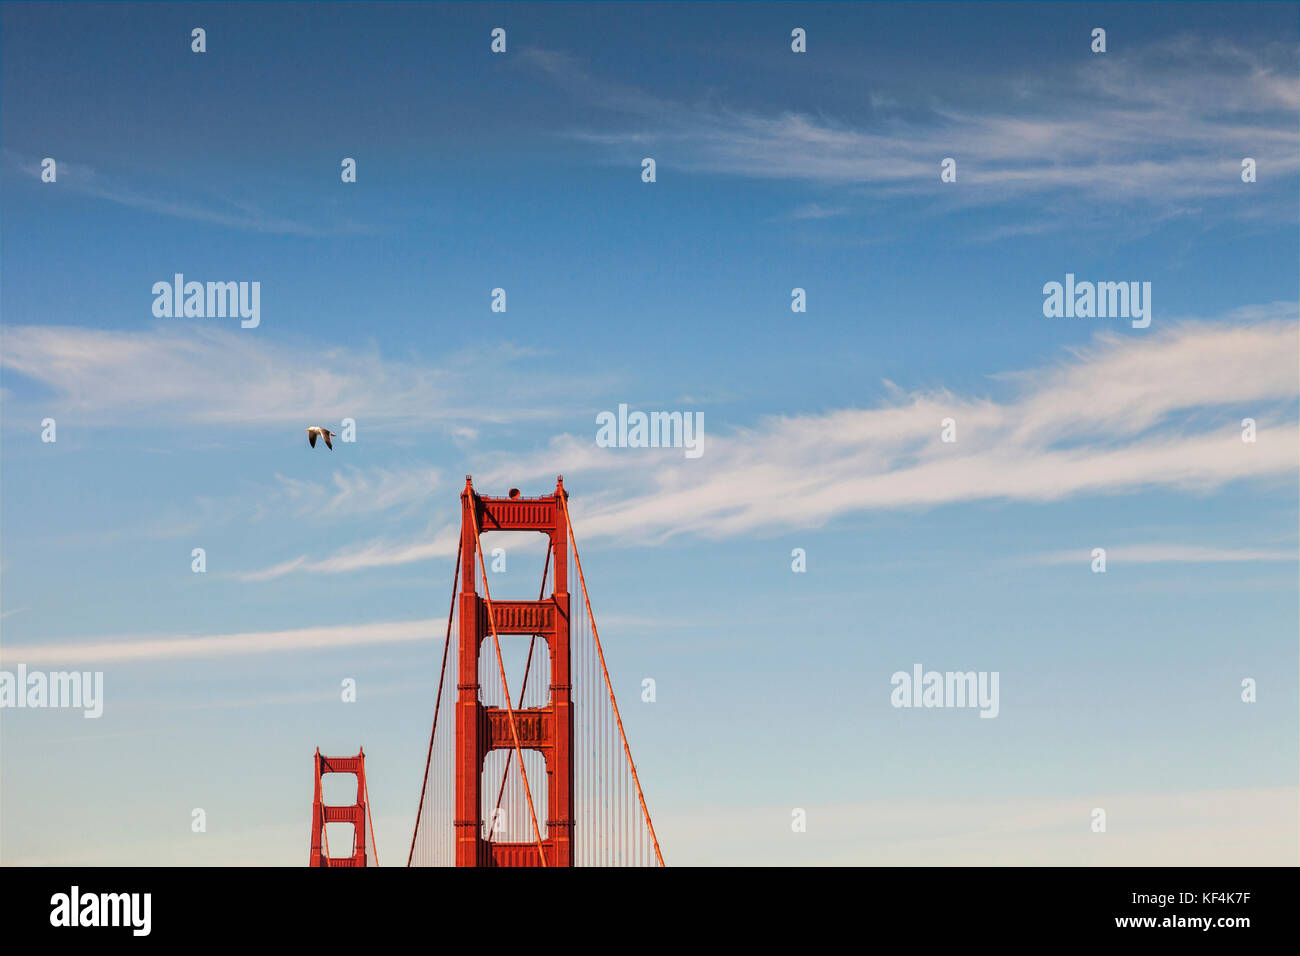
[775, 170]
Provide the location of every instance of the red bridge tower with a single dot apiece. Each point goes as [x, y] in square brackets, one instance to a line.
[354, 813]
[547, 729]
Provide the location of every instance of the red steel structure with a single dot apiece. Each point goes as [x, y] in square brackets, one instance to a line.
[563, 732]
[356, 813]
[481, 729]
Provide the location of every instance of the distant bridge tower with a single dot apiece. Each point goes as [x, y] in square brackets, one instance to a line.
[356, 813]
[547, 729]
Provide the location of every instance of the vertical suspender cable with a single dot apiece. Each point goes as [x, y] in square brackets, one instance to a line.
[325, 834]
[370, 823]
[595, 634]
[437, 706]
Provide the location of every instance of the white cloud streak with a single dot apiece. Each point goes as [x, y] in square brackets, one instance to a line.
[1244, 827]
[199, 374]
[354, 491]
[379, 553]
[386, 553]
[1165, 124]
[1171, 554]
[1126, 414]
[135, 648]
[234, 214]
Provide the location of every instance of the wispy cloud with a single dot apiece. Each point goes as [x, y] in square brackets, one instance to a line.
[1165, 125]
[386, 553]
[818, 211]
[353, 491]
[1190, 828]
[1171, 554]
[128, 648]
[203, 375]
[235, 214]
[379, 553]
[1125, 414]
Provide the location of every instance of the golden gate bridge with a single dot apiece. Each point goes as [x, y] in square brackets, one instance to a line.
[533, 770]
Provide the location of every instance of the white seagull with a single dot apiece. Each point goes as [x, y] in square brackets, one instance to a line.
[325, 433]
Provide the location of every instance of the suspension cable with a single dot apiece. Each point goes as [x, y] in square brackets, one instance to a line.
[365, 786]
[437, 701]
[605, 670]
[325, 832]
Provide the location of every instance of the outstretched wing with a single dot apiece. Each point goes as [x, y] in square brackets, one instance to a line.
[328, 444]
[311, 437]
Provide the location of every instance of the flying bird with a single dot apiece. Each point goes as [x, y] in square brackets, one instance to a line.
[325, 433]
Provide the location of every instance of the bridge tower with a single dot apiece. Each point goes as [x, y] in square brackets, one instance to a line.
[354, 813]
[547, 729]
